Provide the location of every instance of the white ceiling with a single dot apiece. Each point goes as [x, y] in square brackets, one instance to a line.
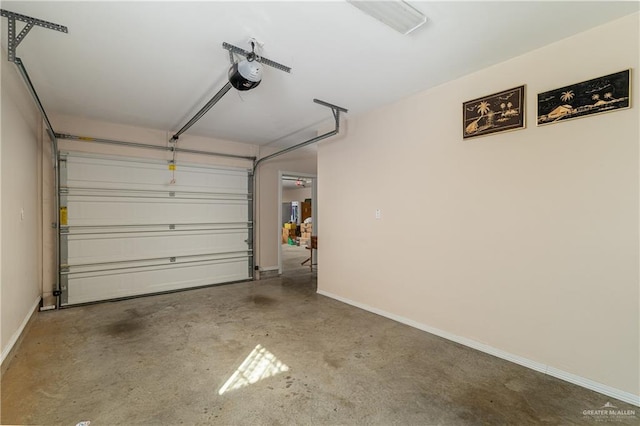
[154, 64]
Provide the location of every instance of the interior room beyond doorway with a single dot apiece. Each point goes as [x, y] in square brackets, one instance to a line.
[296, 222]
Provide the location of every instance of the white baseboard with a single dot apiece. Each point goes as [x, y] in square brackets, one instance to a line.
[16, 336]
[268, 268]
[534, 365]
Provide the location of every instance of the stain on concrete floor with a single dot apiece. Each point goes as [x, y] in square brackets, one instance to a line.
[260, 300]
[123, 327]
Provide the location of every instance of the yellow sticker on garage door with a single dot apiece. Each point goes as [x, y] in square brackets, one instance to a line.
[63, 216]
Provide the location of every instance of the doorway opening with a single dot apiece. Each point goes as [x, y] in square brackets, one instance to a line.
[297, 223]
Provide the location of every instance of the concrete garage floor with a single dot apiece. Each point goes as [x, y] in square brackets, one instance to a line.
[268, 352]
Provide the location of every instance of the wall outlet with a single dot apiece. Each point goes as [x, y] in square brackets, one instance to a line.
[378, 214]
[21, 215]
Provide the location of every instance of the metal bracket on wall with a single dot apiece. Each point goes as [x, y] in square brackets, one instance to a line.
[14, 40]
[335, 109]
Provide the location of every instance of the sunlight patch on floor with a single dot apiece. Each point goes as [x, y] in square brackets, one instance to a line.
[259, 365]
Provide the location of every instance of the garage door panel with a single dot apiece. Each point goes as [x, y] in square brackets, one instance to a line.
[89, 287]
[97, 173]
[170, 194]
[126, 231]
[86, 249]
[101, 268]
[100, 211]
[200, 227]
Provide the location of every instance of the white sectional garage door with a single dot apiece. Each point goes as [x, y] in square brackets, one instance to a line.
[126, 230]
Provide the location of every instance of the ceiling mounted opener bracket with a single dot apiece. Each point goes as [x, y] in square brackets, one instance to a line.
[235, 49]
[335, 109]
[216, 98]
[14, 40]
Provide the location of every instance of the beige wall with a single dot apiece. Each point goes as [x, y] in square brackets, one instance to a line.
[526, 242]
[295, 194]
[20, 258]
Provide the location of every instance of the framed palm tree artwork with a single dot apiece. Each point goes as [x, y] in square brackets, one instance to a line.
[603, 94]
[495, 113]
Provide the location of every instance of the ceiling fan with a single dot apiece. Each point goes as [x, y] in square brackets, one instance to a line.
[243, 75]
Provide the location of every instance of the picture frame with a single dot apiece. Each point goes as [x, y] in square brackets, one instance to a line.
[499, 112]
[608, 93]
